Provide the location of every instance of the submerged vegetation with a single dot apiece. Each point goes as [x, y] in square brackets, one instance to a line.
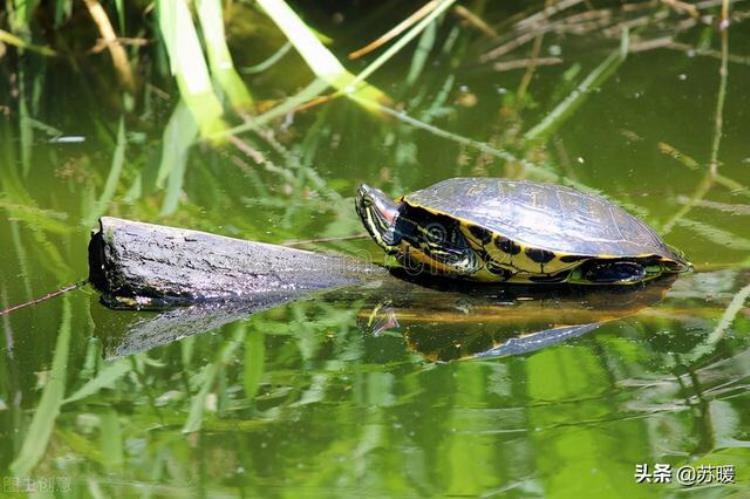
[258, 120]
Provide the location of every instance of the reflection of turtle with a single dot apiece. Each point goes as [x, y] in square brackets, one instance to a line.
[463, 320]
[498, 230]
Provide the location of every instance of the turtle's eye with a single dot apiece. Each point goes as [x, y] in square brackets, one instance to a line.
[436, 233]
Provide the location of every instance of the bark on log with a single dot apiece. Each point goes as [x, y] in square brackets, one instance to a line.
[142, 265]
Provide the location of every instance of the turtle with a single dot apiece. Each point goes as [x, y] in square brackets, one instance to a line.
[515, 231]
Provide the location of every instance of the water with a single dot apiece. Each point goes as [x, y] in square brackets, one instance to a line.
[375, 394]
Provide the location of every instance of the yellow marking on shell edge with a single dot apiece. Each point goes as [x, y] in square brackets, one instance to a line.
[519, 262]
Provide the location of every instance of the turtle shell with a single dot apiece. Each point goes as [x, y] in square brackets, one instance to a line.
[546, 216]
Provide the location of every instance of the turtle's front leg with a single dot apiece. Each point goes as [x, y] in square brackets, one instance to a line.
[468, 263]
[615, 272]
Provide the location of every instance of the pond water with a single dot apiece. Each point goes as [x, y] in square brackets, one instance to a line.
[399, 393]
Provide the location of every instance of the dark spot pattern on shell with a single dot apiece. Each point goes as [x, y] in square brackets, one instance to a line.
[507, 246]
[539, 255]
[505, 274]
[483, 235]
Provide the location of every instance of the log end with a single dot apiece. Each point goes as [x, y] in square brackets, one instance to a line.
[97, 261]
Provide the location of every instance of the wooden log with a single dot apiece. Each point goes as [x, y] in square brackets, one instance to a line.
[139, 265]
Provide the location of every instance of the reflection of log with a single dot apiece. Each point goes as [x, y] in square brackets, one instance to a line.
[141, 265]
[178, 323]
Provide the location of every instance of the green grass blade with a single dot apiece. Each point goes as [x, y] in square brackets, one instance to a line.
[314, 89]
[320, 60]
[104, 379]
[273, 59]
[19, 42]
[729, 314]
[402, 42]
[174, 187]
[23, 259]
[195, 417]
[255, 357]
[25, 125]
[219, 58]
[189, 66]
[323, 63]
[22, 13]
[63, 11]
[111, 440]
[21, 206]
[135, 191]
[48, 220]
[717, 236]
[720, 99]
[419, 59]
[573, 101]
[179, 135]
[120, 6]
[43, 422]
[113, 178]
[318, 86]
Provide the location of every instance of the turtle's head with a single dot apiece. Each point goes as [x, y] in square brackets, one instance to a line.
[379, 214]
